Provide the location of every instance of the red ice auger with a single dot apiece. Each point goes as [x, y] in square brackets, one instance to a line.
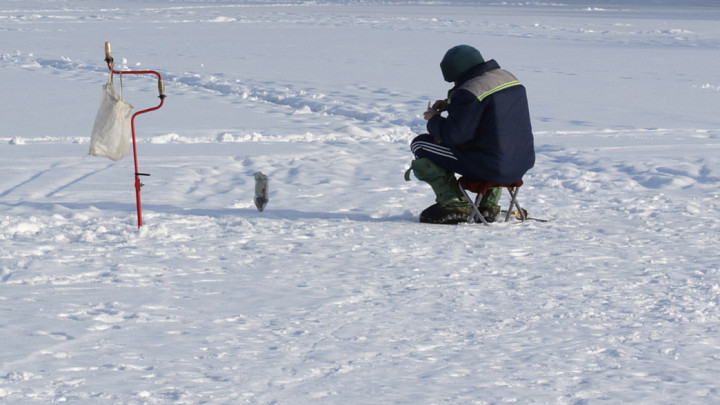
[161, 90]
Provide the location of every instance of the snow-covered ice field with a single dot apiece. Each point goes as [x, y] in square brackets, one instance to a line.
[335, 294]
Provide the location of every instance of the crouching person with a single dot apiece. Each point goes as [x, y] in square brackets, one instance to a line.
[485, 135]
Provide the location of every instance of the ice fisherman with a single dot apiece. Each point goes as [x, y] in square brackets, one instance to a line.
[485, 135]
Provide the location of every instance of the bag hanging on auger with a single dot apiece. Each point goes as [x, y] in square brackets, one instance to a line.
[111, 132]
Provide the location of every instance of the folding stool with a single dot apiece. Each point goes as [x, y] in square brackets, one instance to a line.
[480, 187]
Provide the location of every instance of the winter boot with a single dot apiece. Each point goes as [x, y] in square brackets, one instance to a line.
[488, 207]
[451, 206]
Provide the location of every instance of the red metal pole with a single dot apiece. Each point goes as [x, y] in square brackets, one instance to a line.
[139, 184]
[161, 90]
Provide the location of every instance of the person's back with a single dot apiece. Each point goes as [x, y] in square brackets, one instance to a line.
[502, 148]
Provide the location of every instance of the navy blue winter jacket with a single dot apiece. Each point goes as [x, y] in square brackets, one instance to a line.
[488, 125]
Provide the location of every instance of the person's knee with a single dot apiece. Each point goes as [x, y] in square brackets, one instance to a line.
[417, 146]
[422, 138]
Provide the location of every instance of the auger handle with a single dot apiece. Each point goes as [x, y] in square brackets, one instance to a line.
[161, 87]
[108, 53]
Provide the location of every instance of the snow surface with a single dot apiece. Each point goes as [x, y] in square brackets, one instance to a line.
[335, 294]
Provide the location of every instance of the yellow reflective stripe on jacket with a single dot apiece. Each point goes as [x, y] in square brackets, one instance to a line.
[498, 88]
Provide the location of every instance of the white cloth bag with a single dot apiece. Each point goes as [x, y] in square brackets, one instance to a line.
[111, 132]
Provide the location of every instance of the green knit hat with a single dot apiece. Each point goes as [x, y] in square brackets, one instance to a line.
[458, 60]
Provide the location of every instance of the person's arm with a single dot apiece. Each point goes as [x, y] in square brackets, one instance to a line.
[458, 128]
